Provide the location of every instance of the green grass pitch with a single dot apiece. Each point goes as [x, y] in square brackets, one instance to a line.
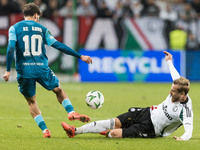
[18, 131]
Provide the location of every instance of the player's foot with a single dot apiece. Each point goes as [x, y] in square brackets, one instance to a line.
[77, 116]
[70, 130]
[105, 133]
[46, 133]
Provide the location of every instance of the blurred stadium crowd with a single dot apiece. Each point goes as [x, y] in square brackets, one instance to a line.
[186, 10]
[177, 14]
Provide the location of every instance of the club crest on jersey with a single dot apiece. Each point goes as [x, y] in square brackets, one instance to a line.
[175, 108]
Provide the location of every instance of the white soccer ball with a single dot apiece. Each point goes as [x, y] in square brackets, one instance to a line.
[94, 99]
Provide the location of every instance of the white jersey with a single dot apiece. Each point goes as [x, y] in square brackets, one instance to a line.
[169, 116]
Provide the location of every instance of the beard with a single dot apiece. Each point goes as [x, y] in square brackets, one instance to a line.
[175, 99]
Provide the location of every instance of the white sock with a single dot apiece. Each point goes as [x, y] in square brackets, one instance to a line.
[96, 126]
[109, 135]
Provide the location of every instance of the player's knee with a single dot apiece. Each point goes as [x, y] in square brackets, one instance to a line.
[117, 123]
[58, 90]
[115, 134]
[60, 93]
[31, 101]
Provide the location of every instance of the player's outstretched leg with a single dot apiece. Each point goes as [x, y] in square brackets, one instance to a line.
[93, 127]
[64, 100]
[70, 130]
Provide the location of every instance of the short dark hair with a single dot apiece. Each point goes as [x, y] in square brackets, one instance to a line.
[30, 9]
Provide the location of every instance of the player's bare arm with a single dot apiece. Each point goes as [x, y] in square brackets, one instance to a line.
[6, 75]
[168, 56]
[86, 59]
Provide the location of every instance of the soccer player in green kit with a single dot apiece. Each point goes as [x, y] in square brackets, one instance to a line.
[28, 38]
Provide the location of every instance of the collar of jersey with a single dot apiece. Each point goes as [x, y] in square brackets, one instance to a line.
[185, 101]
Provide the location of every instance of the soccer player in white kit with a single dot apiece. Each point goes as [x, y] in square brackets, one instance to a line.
[176, 109]
[150, 122]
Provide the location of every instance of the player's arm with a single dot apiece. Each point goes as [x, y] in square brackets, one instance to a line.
[10, 52]
[188, 125]
[174, 73]
[51, 41]
[67, 50]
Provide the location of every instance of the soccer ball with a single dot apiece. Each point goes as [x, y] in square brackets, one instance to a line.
[94, 99]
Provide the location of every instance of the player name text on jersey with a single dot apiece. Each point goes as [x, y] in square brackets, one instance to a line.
[36, 29]
[33, 29]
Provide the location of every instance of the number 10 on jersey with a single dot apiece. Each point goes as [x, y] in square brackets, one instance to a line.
[31, 48]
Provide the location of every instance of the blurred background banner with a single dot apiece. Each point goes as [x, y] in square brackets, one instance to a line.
[193, 65]
[143, 34]
[61, 28]
[136, 28]
[131, 66]
[87, 32]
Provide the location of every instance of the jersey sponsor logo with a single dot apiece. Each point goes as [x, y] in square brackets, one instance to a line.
[32, 64]
[175, 108]
[164, 107]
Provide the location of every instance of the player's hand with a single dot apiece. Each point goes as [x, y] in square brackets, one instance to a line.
[86, 59]
[178, 138]
[168, 56]
[6, 75]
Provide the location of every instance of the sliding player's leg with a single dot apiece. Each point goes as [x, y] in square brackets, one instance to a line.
[93, 127]
[136, 123]
[118, 125]
[122, 122]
